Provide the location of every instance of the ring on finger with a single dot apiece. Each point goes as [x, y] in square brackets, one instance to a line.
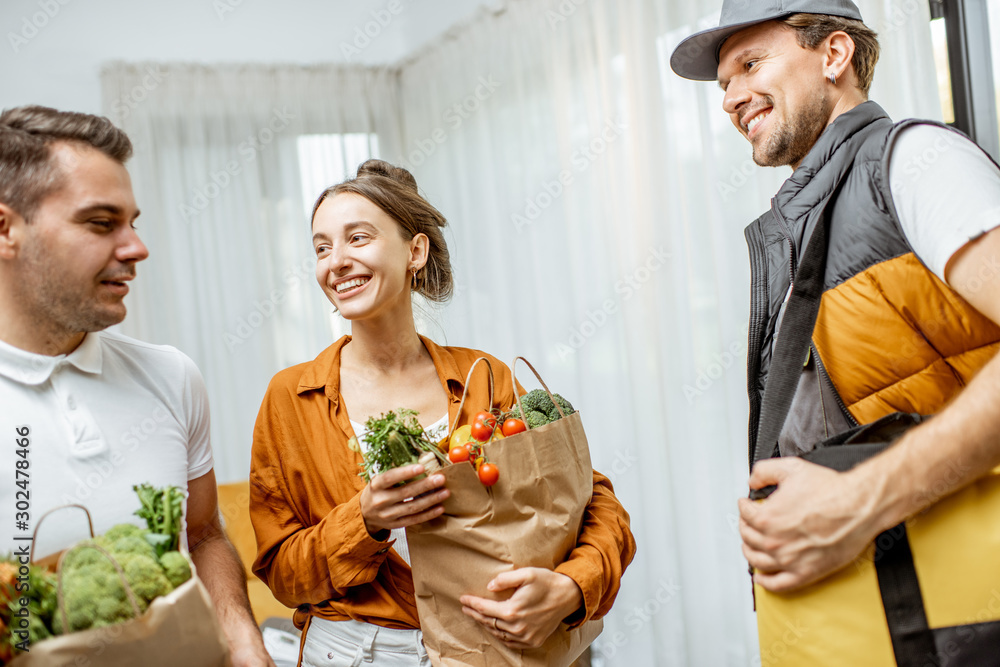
[495, 619]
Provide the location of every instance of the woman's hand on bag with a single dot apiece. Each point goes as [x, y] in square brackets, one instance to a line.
[817, 521]
[541, 600]
[385, 506]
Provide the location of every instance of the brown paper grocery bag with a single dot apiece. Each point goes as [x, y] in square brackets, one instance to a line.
[530, 518]
[179, 628]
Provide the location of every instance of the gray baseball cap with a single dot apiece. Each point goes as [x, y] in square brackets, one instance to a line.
[697, 57]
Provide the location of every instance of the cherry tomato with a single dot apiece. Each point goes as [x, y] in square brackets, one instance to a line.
[459, 454]
[487, 418]
[482, 431]
[489, 473]
[513, 426]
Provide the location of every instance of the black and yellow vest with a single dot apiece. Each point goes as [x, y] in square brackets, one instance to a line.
[890, 336]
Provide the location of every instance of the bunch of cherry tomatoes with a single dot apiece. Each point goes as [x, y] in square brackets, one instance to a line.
[467, 443]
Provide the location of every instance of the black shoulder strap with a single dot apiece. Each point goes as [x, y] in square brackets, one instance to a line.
[793, 340]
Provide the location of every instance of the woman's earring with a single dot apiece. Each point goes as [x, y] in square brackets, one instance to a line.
[413, 280]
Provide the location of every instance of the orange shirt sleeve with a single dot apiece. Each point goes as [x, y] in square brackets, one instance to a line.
[302, 564]
[603, 551]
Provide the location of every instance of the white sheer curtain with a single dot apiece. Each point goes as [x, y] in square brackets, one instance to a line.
[581, 162]
[596, 204]
[230, 277]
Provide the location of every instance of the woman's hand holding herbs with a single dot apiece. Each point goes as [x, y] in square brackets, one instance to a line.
[401, 495]
[385, 506]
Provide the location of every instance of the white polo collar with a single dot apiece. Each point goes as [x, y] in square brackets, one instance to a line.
[35, 369]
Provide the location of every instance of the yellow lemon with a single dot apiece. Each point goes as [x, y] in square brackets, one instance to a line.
[461, 436]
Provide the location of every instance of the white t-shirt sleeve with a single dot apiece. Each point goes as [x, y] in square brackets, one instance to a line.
[199, 425]
[946, 192]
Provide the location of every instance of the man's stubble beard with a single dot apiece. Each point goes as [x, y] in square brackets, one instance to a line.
[59, 308]
[791, 141]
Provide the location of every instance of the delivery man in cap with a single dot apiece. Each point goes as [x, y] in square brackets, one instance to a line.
[911, 294]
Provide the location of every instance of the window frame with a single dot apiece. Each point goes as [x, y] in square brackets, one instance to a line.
[970, 61]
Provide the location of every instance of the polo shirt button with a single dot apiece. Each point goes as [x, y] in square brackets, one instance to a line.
[71, 403]
[382, 551]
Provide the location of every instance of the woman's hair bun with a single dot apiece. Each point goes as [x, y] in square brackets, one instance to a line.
[376, 167]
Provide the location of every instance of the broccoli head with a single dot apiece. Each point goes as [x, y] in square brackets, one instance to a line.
[175, 567]
[536, 419]
[121, 530]
[145, 576]
[137, 546]
[86, 589]
[538, 401]
[92, 588]
[553, 412]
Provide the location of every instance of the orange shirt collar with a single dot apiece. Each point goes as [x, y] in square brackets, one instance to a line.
[323, 372]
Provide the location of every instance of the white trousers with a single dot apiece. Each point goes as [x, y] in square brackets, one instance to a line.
[354, 644]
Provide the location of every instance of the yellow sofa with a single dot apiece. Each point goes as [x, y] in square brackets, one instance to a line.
[234, 505]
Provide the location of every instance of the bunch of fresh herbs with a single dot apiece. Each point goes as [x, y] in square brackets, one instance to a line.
[395, 439]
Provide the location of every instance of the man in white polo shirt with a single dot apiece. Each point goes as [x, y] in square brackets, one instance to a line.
[86, 414]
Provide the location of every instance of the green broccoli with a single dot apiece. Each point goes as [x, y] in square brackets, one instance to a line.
[121, 530]
[553, 412]
[128, 545]
[536, 399]
[175, 567]
[86, 589]
[81, 556]
[536, 419]
[145, 576]
[92, 587]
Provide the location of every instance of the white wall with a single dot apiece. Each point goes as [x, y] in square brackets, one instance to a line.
[52, 50]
